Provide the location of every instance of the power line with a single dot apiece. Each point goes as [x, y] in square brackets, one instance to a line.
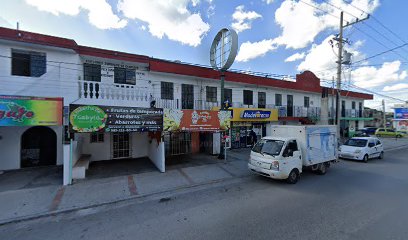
[381, 53]
[379, 22]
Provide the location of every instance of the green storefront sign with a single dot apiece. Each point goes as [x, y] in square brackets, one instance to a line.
[88, 119]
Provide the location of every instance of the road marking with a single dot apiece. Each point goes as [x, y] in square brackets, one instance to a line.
[57, 199]
[226, 170]
[184, 174]
[132, 185]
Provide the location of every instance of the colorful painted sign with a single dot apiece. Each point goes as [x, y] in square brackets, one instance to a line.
[30, 111]
[401, 113]
[196, 120]
[88, 118]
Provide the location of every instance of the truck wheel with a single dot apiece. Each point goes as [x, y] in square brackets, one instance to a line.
[381, 155]
[322, 169]
[365, 159]
[293, 176]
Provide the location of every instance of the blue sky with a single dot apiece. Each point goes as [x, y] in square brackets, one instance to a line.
[275, 36]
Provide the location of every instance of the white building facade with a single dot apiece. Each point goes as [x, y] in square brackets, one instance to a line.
[51, 67]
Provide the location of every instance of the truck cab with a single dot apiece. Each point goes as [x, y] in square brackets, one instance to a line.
[276, 158]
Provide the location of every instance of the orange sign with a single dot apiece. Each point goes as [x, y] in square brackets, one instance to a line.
[195, 120]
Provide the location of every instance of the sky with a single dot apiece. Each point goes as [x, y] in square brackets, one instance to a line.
[283, 37]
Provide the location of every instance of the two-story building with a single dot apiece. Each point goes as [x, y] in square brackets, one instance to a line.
[126, 87]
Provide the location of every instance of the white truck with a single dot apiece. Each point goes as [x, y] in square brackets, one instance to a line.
[290, 149]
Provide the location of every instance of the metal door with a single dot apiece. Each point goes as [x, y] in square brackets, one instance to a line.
[121, 145]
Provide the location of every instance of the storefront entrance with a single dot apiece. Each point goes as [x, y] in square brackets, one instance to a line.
[38, 147]
[121, 145]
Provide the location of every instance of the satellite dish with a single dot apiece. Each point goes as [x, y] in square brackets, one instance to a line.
[224, 49]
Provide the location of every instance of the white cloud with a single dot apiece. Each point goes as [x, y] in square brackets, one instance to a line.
[100, 13]
[169, 18]
[268, 1]
[243, 19]
[301, 23]
[368, 77]
[396, 87]
[295, 57]
[249, 50]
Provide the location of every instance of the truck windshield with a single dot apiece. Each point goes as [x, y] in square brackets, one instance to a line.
[268, 146]
[356, 142]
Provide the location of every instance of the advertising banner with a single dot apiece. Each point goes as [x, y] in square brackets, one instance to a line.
[196, 120]
[89, 118]
[30, 111]
[401, 113]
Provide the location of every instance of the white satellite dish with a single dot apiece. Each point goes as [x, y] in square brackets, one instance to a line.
[224, 49]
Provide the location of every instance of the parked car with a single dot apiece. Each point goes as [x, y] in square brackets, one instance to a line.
[369, 130]
[387, 132]
[360, 133]
[362, 148]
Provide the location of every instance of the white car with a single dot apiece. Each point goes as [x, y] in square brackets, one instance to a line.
[362, 148]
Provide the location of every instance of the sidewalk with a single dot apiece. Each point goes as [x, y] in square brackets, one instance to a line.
[27, 203]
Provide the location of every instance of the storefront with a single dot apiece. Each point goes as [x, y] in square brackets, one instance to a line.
[31, 132]
[194, 131]
[110, 132]
[246, 120]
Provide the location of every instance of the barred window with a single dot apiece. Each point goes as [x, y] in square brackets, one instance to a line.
[278, 99]
[167, 90]
[125, 76]
[92, 72]
[211, 94]
[27, 63]
[97, 137]
[306, 102]
[261, 99]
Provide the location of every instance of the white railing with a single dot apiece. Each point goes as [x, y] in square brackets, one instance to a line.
[112, 91]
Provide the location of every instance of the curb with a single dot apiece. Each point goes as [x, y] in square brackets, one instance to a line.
[131, 197]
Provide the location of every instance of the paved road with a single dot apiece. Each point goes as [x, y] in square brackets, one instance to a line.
[354, 200]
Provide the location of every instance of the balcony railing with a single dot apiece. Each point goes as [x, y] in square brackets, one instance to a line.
[349, 113]
[112, 91]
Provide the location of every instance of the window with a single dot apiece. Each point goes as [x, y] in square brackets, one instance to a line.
[167, 90]
[378, 142]
[211, 94]
[353, 105]
[124, 76]
[92, 72]
[248, 97]
[228, 94]
[278, 99]
[292, 145]
[30, 64]
[343, 108]
[306, 101]
[97, 137]
[261, 99]
[187, 96]
[360, 109]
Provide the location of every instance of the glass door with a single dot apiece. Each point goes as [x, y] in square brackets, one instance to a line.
[289, 104]
[187, 96]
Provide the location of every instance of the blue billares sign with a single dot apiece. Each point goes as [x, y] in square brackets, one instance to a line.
[255, 114]
[401, 113]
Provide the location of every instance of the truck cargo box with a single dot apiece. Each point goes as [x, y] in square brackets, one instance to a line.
[318, 143]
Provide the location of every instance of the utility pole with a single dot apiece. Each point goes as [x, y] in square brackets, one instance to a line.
[384, 119]
[340, 40]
